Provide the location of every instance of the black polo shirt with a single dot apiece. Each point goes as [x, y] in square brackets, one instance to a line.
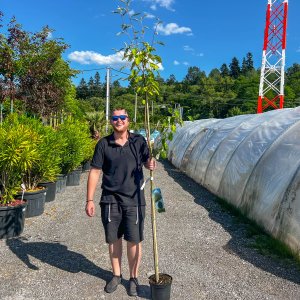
[122, 168]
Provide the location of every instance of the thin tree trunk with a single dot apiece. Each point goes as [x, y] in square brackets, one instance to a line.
[153, 210]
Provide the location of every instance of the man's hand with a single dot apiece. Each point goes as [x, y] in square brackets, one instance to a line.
[150, 164]
[90, 208]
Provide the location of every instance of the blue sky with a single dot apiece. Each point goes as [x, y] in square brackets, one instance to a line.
[205, 34]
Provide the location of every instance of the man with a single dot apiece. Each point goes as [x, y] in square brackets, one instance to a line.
[120, 156]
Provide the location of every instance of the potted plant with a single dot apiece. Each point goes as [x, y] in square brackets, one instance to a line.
[13, 144]
[34, 195]
[88, 154]
[144, 65]
[49, 167]
[32, 169]
[76, 134]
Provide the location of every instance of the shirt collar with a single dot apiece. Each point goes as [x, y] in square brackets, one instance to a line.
[111, 139]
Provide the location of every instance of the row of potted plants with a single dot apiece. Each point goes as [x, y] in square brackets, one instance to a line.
[32, 157]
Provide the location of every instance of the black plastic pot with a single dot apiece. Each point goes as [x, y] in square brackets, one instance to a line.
[51, 190]
[73, 177]
[12, 220]
[86, 166]
[160, 291]
[61, 183]
[35, 202]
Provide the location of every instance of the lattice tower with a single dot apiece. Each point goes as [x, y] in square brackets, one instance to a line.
[271, 87]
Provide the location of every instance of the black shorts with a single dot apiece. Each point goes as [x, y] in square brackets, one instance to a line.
[119, 221]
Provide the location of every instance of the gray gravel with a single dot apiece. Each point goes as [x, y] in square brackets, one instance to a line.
[62, 254]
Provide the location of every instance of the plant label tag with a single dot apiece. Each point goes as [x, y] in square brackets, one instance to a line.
[159, 200]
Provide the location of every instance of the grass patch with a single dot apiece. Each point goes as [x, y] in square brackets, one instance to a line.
[260, 240]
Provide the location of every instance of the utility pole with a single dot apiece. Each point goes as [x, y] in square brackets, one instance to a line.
[107, 98]
[271, 87]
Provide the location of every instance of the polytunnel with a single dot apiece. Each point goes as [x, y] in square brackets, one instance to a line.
[252, 162]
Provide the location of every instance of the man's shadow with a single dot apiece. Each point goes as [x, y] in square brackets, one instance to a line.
[58, 255]
[239, 242]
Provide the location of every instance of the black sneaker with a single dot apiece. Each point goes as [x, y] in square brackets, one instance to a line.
[113, 284]
[133, 287]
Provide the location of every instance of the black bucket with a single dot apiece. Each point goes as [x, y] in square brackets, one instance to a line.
[61, 183]
[12, 220]
[51, 190]
[73, 177]
[86, 166]
[35, 202]
[160, 291]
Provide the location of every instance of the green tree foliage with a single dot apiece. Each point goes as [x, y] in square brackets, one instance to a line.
[214, 95]
[234, 67]
[32, 69]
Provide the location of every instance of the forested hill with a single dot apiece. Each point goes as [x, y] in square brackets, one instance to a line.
[230, 90]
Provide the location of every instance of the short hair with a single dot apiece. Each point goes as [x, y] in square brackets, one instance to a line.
[120, 108]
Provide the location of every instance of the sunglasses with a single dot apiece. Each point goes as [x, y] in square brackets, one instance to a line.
[121, 117]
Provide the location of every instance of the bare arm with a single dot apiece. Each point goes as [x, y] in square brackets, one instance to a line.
[91, 188]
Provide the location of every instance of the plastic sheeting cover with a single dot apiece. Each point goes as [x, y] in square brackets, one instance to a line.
[252, 161]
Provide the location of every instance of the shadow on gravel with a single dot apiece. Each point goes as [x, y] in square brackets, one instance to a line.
[58, 255]
[239, 243]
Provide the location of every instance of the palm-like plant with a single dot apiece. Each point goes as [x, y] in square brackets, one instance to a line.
[96, 121]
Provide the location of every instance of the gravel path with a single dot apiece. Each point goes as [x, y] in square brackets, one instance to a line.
[62, 254]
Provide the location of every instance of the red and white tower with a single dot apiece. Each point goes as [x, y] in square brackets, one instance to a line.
[271, 87]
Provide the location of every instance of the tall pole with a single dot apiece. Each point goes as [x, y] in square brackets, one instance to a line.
[107, 98]
[271, 87]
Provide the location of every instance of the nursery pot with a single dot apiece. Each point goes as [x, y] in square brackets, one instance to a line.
[61, 183]
[51, 190]
[35, 202]
[12, 220]
[73, 177]
[160, 290]
[86, 166]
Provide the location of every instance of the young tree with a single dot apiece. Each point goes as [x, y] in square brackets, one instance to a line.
[144, 66]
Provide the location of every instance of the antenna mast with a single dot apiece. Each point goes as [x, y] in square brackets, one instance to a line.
[271, 87]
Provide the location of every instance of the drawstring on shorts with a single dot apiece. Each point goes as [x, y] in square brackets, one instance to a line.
[109, 220]
[137, 215]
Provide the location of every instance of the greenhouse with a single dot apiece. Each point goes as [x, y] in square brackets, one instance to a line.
[252, 162]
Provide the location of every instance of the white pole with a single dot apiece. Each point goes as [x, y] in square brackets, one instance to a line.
[107, 98]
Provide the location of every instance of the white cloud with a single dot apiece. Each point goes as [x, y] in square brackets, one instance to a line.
[162, 3]
[131, 12]
[176, 63]
[172, 28]
[149, 16]
[298, 50]
[160, 67]
[187, 48]
[200, 54]
[185, 63]
[91, 57]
